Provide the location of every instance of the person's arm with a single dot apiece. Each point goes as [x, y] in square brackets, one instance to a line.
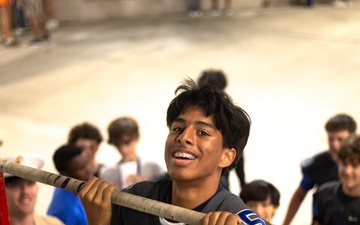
[221, 218]
[294, 205]
[96, 198]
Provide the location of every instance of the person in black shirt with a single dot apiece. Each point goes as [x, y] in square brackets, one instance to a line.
[338, 202]
[262, 197]
[322, 167]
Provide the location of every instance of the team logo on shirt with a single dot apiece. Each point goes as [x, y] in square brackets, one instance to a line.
[248, 217]
[307, 162]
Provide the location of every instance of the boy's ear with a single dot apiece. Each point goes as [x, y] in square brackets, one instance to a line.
[227, 157]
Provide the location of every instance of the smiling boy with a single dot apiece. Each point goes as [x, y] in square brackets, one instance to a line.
[338, 202]
[207, 134]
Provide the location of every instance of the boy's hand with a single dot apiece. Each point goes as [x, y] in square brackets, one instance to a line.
[221, 218]
[96, 198]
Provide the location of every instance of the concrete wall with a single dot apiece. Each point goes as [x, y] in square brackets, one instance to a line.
[92, 10]
[87, 10]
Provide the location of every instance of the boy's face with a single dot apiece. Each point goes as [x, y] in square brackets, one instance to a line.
[335, 140]
[349, 173]
[89, 146]
[79, 167]
[264, 209]
[21, 196]
[127, 149]
[193, 149]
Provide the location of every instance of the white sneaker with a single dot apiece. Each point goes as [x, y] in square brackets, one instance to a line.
[19, 31]
[339, 4]
[10, 41]
[52, 24]
[195, 14]
[215, 13]
[229, 12]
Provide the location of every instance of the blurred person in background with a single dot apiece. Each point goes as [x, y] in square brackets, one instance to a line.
[194, 8]
[21, 195]
[216, 11]
[50, 10]
[35, 13]
[20, 20]
[70, 161]
[322, 167]
[262, 197]
[124, 135]
[218, 79]
[88, 137]
[338, 202]
[6, 9]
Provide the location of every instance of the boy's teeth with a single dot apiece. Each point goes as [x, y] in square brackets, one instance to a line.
[182, 155]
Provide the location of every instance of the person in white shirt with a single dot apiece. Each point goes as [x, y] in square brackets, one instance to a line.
[124, 136]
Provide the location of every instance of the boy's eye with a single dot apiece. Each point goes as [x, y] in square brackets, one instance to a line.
[204, 133]
[178, 129]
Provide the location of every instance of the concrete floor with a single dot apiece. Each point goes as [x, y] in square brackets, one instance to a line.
[290, 68]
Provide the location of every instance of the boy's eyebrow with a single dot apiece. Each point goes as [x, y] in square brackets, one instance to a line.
[206, 124]
[181, 120]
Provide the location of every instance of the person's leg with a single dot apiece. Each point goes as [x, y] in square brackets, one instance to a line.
[19, 16]
[22, 18]
[6, 14]
[214, 4]
[50, 13]
[33, 10]
[194, 8]
[197, 5]
[49, 9]
[191, 5]
[227, 4]
[227, 8]
[215, 9]
[45, 34]
[5, 21]
[35, 27]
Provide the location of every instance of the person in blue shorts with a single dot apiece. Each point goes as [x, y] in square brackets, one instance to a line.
[207, 134]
